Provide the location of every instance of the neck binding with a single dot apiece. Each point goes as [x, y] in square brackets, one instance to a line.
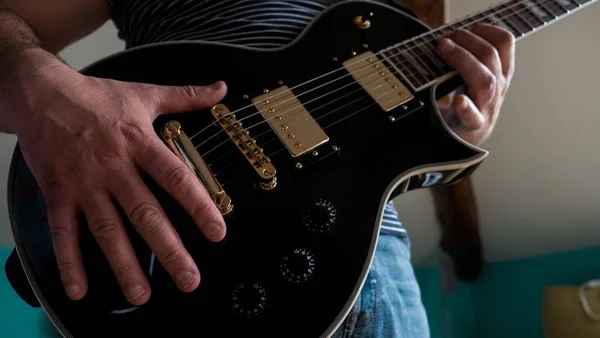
[417, 59]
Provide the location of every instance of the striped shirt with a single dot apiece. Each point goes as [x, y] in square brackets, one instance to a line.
[252, 23]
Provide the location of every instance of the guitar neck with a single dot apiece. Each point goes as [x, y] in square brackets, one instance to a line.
[417, 59]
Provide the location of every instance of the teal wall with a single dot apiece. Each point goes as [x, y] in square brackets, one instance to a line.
[507, 300]
[17, 319]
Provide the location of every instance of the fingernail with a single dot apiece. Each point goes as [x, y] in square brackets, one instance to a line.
[215, 231]
[185, 279]
[135, 292]
[446, 45]
[72, 290]
[463, 105]
[216, 85]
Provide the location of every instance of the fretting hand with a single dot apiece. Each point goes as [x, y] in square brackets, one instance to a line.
[484, 57]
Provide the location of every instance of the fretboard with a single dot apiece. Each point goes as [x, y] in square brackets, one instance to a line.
[417, 59]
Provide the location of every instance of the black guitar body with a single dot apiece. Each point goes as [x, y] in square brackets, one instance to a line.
[280, 271]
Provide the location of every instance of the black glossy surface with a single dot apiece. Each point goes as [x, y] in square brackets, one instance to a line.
[265, 225]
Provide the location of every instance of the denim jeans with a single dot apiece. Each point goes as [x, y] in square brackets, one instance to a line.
[389, 304]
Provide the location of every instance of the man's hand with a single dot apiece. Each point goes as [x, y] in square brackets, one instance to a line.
[85, 140]
[484, 57]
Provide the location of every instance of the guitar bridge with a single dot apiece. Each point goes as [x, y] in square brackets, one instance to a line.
[181, 145]
[240, 136]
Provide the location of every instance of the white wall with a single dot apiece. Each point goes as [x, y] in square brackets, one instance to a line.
[538, 189]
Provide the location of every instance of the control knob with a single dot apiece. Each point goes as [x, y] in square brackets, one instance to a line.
[297, 267]
[320, 217]
[249, 300]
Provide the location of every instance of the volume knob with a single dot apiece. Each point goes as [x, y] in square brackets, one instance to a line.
[297, 267]
[320, 217]
[249, 300]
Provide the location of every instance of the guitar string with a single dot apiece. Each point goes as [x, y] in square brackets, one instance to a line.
[514, 13]
[429, 33]
[365, 96]
[312, 111]
[278, 115]
[271, 131]
[285, 112]
[329, 73]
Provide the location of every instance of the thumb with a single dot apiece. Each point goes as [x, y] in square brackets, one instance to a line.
[179, 99]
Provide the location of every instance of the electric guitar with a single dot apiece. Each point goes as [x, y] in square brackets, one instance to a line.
[301, 156]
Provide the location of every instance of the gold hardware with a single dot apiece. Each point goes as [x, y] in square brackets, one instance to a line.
[265, 90]
[246, 96]
[247, 145]
[395, 86]
[298, 165]
[365, 45]
[315, 153]
[361, 23]
[181, 145]
[293, 119]
[387, 79]
[335, 148]
[269, 185]
[298, 144]
[405, 107]
[353, 53]
[265, 102]
[280, 82]
[271, 110]
[292, 135]
[392, 118]
[421, 103]
[335, 59]
[370, 59]
[376, 85]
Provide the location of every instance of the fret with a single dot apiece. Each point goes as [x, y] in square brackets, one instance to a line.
[419, 59]
[404, 67]
[422, 72]
[538, 11]
[566, 4]
[428, 56]
[551, 8]
[513, 19]
[479, 17]
[522, 12]
[581, 2]
[534, 20]
[502, 22]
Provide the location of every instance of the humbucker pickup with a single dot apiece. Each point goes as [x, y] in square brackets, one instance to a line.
[377, 80]
[292, 123]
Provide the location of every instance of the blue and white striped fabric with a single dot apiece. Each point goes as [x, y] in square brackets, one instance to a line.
[253, 23]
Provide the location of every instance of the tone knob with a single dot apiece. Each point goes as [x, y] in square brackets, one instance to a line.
[249, 300]
[320, 217]
[297, 267]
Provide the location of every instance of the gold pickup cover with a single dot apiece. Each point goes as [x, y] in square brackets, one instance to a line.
[383, 86]
[292, 123]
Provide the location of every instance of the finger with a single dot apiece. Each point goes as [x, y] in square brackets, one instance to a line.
[65, 240]
[181, 183]
[152, 224]
[105, 225]
[468, 114]
[503, 41]
[176, 99]
[485, 52]
[480, 80]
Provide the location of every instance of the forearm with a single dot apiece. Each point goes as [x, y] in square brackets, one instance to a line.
[19, 50]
